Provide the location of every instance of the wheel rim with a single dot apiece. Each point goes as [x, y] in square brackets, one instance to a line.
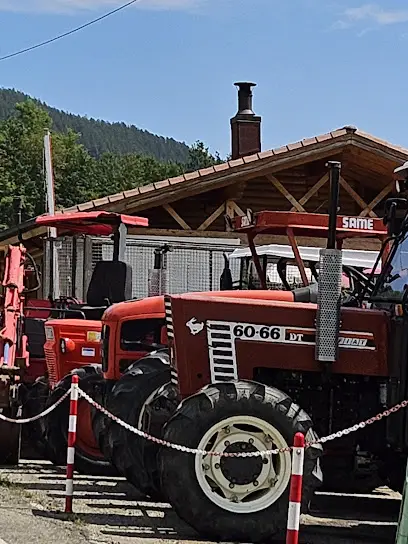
[243, 485]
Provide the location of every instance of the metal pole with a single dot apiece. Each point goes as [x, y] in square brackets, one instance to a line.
[52, 231]
[334, 173]
[72, 426]
[295, 493]
[402, 529]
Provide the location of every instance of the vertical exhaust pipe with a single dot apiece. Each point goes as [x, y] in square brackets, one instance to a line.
[329, 285]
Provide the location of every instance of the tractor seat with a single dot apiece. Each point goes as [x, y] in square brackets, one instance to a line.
[111, 282]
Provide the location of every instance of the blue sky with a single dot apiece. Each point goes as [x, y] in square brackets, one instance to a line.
[169, 65]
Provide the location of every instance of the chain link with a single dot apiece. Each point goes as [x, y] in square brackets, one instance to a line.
[38, 416]
[263, 453]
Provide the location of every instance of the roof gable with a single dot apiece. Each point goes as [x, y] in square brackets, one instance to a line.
[227, 173]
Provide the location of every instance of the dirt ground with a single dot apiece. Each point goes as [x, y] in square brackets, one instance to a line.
[109, 511]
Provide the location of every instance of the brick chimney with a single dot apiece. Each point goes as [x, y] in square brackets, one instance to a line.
[245, 126]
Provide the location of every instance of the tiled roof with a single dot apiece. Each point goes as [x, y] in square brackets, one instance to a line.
[214, 172]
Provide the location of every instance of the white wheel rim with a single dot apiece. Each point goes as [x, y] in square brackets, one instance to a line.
[272, 477]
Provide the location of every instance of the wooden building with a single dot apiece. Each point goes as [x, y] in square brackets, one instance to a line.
[293, 177]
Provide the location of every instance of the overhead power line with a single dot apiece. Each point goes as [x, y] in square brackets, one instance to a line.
[65, 34]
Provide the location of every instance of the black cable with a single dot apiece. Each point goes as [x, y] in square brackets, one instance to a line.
[65, 34]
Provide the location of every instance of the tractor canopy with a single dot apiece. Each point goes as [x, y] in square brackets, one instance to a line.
[99, 223]
[314, 225]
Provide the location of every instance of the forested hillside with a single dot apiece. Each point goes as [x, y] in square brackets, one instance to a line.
[79, 176]
[99, 136]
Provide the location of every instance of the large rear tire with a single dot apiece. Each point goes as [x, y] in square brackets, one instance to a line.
[88, 457]
[10, 442]
[144, 398]
[236, 499]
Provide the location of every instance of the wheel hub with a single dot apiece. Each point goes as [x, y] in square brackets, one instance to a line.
[242, 484]
[241, 470]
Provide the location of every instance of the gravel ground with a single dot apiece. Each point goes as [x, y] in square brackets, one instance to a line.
[109, 511]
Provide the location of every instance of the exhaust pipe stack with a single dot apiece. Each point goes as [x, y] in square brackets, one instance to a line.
[329, 285]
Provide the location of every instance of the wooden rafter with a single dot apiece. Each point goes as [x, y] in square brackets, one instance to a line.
[169, 209]
[356, 196]
[229, 212]
[278, 185]
[313, 190]
[237, 209]
[377, 199]
[212, 217]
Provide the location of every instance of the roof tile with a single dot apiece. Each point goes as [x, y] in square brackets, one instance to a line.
[221, 167]
[324, 137]
[115, 197]
[206, 171]
[131, 192]
[101, 201]
[250, 158]
[296, 145]
[191, 175]
[146, 188]
[235, 162]
[266, 154]
[338, 132]
[280, 150]
[177, 179]
[85, 206]
[161, 184]
[309, 141]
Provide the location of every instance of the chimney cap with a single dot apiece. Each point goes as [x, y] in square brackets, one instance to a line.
[244, 84]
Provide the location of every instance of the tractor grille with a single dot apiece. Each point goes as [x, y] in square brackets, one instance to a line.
[52, 368]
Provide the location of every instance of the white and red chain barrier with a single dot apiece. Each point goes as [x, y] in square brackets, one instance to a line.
[21, 421]
[298, 448]
[195, 451]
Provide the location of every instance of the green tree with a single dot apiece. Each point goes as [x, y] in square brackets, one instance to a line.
[200, 157]
[78, 175]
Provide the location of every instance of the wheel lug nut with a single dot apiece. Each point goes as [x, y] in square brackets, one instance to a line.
[227, 430]
[231, 485]
[256, 483]
[251, 440]
[206, 467]
[217, 465]
[226, 443]
[265, 461]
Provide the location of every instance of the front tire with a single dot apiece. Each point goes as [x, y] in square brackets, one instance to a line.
[145, 398]
[239, 499]
[88, 457]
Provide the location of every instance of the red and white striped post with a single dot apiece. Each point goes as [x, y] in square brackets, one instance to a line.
[295, 494]
[72, 425]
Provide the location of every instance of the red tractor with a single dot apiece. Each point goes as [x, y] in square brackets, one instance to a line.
[28, 369]
[251, 371]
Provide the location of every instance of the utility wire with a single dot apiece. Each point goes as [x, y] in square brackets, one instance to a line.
[65, 34]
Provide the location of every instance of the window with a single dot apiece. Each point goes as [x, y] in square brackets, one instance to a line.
[105, 347]
[394, 281]
[136, 334]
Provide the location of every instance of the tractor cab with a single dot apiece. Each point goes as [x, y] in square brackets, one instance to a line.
[297, 268]
[111, 281]
[73, 330]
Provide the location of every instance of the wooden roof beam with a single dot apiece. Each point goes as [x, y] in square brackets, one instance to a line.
[278, 185]
[355, 196]
[210, 220]
[377, 199]
[313, 190]
[171, 211]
